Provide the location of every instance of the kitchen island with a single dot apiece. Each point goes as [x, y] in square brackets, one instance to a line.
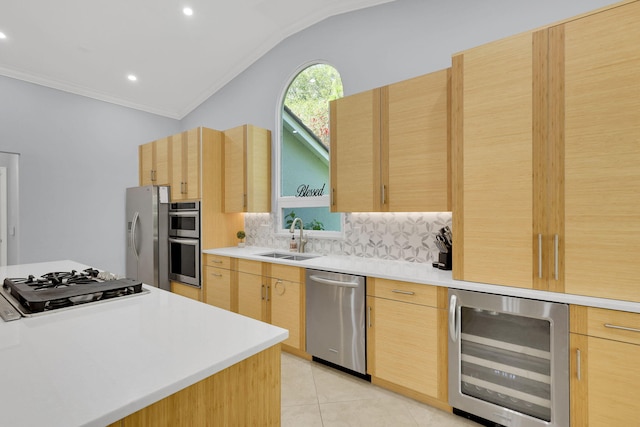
[149, 359]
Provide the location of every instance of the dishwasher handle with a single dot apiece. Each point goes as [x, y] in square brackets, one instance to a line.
[337, 283]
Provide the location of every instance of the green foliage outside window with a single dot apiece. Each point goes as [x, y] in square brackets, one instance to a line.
[308, 97]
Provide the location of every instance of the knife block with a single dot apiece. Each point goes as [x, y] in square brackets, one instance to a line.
[444, 260]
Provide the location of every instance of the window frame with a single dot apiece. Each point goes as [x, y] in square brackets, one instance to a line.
[282, 202]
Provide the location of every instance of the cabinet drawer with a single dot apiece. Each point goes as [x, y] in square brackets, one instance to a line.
[251, 267]
[403, 291]
[217, 261]
[286, 272]
[217, 287]
[614, 325]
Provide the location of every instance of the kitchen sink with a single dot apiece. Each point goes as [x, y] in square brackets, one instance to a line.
[289, 256]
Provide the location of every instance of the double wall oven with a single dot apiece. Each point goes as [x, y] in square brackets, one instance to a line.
[184, 243]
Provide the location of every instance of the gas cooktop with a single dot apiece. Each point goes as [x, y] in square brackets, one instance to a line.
[66, 289]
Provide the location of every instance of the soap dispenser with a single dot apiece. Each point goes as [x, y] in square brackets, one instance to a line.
[293, 245]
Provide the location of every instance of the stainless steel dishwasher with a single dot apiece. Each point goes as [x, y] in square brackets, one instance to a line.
[336, 332]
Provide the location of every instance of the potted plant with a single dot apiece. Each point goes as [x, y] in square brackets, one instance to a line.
[240, 235]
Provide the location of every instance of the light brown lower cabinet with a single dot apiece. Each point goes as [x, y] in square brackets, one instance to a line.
[605, 369]
[186, 290]
[216, 283]
[407, 339]
[244, 394]
[273, 293]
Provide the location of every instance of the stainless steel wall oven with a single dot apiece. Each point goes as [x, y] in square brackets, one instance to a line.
[509, 359]
[184, 220]
[184, 243]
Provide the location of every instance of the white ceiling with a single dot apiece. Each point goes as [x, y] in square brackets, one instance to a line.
[89, 47]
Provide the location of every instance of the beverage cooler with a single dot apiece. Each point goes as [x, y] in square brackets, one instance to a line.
[509, 359]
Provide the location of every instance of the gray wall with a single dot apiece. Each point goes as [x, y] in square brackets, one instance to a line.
[77, 155]
[377, 46]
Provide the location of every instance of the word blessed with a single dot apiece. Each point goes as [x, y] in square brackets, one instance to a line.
[304, 191]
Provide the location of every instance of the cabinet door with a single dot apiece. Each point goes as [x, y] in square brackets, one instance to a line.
[235, 191]
[602, 154]
[258, 171]
[605, 378]
[154, 168]
[185, 290]
[251, 295]
[415, 144]
[247, 169]
[145, 166]
[405, 345]
[217, 287]
[284, 298]
[185, 161]
[191, 164]
[493, 144]
[355, 153]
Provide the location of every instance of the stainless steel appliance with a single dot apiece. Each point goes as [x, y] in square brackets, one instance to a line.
[184, 219]
[184, 243]
[509, 359]
[61, 290]
[335, 310]
[147, 235]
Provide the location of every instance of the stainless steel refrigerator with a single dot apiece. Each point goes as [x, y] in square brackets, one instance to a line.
[147, 235]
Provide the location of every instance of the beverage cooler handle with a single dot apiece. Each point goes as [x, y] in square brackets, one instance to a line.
[132, 236]
[453, 327]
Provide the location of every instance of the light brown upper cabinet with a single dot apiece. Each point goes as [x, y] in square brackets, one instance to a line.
[247, 169]
[601, 153]
[153, 157]
[492, 152]
[185, 164]
[390, 148]
[546, 155]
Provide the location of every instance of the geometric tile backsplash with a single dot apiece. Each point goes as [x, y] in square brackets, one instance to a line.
[383, 235]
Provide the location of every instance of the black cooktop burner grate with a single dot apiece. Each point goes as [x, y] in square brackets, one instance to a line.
[56, 290]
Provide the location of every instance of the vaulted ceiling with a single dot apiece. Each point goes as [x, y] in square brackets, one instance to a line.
[91, 47]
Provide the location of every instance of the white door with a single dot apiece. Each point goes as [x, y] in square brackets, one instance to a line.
[3, 216]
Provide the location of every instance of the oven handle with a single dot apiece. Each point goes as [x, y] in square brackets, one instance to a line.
[183, 213]
[132, 237]
[453, 326]
[190, 242]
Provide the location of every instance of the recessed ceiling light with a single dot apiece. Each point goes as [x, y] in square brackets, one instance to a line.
[132, 78]
[2, 35]
[187, 11]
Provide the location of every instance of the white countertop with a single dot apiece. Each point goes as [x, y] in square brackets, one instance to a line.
[418, 273]
[95, 364]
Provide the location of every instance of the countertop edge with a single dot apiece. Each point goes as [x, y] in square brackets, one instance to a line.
[420, 273]
[185, 382]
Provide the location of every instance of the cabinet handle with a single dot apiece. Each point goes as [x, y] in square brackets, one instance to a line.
[384, 194]
[540, 256]
[369, 321]
[151, 175]
[398, 291]
[267, 292]
[216, 275]
[244, 200]
[623, 328]
[555, 256]
[217, 261]
[333, 196]
[579, 364]
[262, 297]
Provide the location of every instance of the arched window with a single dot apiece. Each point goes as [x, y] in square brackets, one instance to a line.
[303, 167]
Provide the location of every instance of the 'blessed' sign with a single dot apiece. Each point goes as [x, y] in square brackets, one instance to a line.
[305, 191]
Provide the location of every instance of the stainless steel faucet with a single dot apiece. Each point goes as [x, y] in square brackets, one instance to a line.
[303, 241]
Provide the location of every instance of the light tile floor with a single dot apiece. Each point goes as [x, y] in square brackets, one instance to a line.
[314, 395]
